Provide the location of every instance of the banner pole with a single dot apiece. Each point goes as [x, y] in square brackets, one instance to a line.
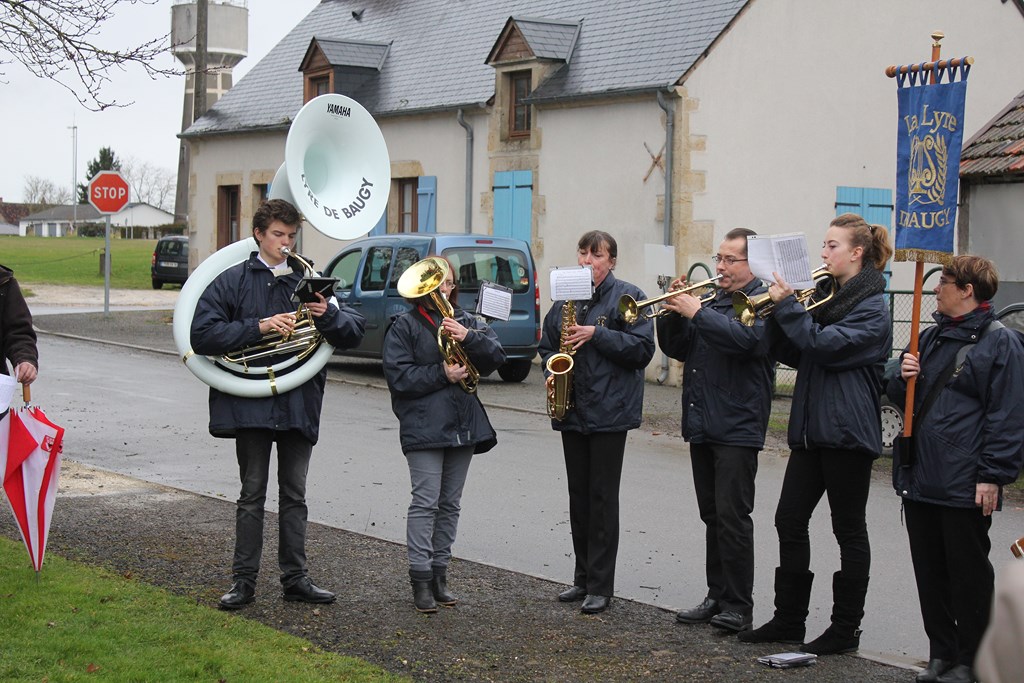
[915, 318]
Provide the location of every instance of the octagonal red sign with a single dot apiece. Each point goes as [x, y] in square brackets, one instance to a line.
[108, 192]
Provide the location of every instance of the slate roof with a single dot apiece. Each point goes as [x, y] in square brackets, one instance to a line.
[998, 148]
[549, 39]
[353, 53]
[86, 212]
[438, 48]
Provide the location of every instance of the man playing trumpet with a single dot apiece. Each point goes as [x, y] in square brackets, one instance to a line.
[727, 388]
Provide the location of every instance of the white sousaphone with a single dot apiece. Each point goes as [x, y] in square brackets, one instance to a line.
[338, 174]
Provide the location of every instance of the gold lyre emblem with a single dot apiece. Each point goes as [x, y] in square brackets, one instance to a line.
[929, 163]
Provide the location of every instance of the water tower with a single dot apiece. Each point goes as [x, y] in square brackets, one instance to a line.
[227, 43]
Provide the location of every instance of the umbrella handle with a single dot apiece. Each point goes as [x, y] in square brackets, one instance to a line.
[26, 393]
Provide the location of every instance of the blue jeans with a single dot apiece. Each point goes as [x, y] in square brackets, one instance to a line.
[252, 448]
[438, 476]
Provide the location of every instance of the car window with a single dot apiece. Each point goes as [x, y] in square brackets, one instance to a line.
[406, 257]
[1013, 316]
[506, 267]
[172, 248]
[345, 270]
[375, 270]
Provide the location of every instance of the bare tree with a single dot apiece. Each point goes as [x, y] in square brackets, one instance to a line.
[149, 183]
[42, 193]
[55, 39]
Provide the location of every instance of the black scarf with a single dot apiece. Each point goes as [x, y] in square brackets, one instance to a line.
[859, 287]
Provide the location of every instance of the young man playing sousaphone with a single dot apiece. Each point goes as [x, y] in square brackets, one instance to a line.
[242, 305]
[727, 389]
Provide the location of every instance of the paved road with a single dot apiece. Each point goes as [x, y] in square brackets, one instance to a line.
[142, 414]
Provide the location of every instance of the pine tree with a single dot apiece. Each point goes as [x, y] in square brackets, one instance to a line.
[106, 161]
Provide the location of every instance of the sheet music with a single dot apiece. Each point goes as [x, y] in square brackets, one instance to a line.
[784, 254]
[495, 301]
[572, 283]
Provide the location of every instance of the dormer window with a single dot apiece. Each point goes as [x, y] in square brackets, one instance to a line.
[520, 118]
[340, 66]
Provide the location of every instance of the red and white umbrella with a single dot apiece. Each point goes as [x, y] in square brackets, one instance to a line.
[30, 448]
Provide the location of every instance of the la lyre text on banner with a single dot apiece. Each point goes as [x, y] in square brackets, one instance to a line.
[931, 118]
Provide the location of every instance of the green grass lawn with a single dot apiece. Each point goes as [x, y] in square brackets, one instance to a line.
[76, 261]
[81, 623]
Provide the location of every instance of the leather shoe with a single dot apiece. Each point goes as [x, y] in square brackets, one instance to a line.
[731, 621]
[936, 667]
[573, 594]
[303, 590]
[595, 604]
[240, 594]
[701, 614]
[961, 673]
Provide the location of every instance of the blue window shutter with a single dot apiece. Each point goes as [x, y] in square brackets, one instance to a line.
[503, 185]
[849, 200]
[513, 204]
[426, 209]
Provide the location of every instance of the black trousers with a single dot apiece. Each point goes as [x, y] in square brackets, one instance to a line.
[593, 467]
[252, 448]
[723, 478]
[949, 547]
[845, 476]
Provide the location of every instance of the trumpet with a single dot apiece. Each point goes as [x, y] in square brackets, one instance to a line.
[629, 308]
[424, 278]
[748, 309]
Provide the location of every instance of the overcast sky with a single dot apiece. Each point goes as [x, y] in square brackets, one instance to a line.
[37, 115]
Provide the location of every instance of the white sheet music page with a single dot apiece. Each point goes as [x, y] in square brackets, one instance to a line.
[784, 254]
[495, 301]
[572, 283]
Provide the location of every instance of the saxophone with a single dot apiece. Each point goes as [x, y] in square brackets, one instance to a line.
[560, 366]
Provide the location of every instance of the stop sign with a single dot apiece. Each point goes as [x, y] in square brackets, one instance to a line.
[108, 192]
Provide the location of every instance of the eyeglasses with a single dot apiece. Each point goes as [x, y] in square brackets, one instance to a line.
[449, 284]
[728, 260]
[943, 282]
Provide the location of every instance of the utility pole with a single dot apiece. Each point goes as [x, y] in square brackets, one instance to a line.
[74, 176]
[199, 90]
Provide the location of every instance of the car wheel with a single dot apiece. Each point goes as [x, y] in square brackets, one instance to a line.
[892, 424]
[515, 370]
[157, 284]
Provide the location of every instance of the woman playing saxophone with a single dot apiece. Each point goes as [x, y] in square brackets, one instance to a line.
[609, 356]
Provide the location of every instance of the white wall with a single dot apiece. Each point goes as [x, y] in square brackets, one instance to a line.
[592, 165]
[997, 227]
[793, 102]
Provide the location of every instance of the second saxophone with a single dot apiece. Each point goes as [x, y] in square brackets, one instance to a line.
[560, 365]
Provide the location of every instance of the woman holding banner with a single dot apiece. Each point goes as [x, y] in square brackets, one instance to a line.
[839, 349]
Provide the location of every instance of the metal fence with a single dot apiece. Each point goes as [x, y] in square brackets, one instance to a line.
[901, 308]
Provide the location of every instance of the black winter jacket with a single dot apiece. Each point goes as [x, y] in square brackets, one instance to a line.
[227, 318]
[973, 433]
[728, 374]
[17, 338]
[837, 398]
[608, 371]
[433, 412]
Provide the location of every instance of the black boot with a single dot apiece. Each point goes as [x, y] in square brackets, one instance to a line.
[847, 610]
[792, 595]
[439, 585]
[422, 593]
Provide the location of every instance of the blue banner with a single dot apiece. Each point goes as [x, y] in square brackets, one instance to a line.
[928, 148]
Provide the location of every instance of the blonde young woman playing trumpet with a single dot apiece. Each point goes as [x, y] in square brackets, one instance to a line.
[839, 350]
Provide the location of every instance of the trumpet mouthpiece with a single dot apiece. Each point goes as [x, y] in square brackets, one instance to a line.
[286, 251]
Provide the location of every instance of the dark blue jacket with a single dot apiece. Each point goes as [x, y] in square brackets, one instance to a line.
[227, 318]
[608, 371]
[728, 374]
[973, 433]
[433, 412]
[837, 398]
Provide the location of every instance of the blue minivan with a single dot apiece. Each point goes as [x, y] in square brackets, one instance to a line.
[368, 270]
